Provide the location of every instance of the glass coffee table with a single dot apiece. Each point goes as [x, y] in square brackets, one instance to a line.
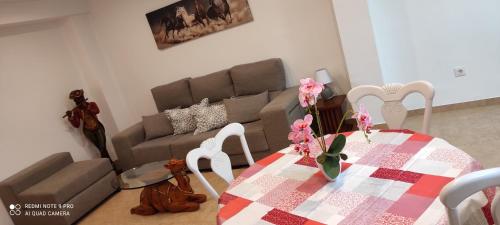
[145, 175]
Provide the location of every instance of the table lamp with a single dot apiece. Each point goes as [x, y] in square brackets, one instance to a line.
[323, 76]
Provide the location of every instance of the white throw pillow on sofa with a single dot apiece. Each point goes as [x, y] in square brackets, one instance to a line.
[183, 120]
[210, 117]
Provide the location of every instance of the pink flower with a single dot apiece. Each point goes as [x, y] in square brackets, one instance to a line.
[301, 134]
[302, 124]
[310, 86]
[302, 148]
[364, 119]
[309, 91]
[306, 99]
[308, 137]
[305, 148]
[295, 137]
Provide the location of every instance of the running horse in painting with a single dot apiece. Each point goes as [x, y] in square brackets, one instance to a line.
[200, 14]
[219, 9]
[198, 17]
[171, 23]
[186, 18]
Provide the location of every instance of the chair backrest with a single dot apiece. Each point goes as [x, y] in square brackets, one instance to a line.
[463, 187]
[219, 161]
[393, 110]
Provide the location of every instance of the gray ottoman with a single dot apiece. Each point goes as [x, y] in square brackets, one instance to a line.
[57, 190]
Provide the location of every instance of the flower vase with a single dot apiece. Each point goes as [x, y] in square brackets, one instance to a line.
[328, 177]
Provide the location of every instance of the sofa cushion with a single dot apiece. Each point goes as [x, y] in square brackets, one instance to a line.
[254, 78]
[157, 125]
[274, 94]
[37, 172]
[215, 87]
[67, 182]
[253, 132]
[183, 119]
[154, 150]
[173, 95]
[210, 117]
[245, 109]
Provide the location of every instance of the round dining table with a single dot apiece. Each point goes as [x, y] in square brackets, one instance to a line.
[393, 180]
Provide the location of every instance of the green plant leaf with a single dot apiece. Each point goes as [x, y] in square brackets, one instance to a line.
[331, 155]
[343, 156]
[321, 158]
[337, 144]
[331, 167]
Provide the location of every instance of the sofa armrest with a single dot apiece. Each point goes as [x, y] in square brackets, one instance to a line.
[123, 143]
[277, 117]
[10, 187]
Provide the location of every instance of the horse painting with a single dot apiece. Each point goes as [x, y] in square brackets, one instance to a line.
[186, 18]
[200, 14]
[169, 23]
[219, 9]
[190, 19]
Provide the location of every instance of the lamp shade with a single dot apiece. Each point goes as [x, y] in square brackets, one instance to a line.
[323, 76]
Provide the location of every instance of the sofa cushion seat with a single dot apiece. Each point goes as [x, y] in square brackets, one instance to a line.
[154, 150]
[67, 182]
[254, 133]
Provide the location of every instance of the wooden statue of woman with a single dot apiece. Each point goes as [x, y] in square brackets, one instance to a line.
[86, 112]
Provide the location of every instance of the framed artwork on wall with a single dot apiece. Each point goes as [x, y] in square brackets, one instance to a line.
[187, 20]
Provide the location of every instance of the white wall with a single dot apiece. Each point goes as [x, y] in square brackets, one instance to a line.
[392, 34]
[15, 12]
[357, 38]
[302, 33]
[426, 39]
[48, 49]
[394, 45]
[36, 75]
[97, 72]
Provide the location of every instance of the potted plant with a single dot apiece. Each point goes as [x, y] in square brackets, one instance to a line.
[304, 138]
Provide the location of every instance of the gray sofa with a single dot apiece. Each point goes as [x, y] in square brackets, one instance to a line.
[58, 180]
[264, 136]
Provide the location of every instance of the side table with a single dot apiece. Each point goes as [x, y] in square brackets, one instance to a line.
[331, 113]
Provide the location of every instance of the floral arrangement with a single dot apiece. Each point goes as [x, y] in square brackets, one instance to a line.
[303, 137]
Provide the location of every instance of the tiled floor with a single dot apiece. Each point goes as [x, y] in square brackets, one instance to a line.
[474, 130]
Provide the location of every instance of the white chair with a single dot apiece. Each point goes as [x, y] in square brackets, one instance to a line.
[393, 110]
[463, 187]
[219, 161]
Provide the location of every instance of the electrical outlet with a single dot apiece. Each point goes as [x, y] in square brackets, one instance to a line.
[459, 71]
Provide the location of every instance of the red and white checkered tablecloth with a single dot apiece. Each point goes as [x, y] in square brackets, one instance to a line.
[396, 179]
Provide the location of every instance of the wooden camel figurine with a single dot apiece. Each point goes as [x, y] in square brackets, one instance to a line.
[167, 197]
